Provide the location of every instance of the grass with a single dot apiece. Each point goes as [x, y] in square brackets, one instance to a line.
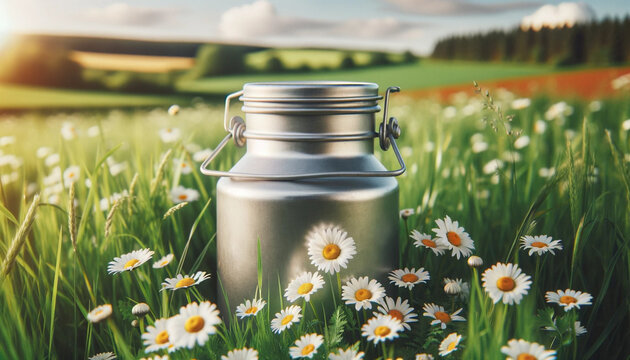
[51, 284]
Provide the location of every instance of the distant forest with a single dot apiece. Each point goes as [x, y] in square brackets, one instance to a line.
[604, 42]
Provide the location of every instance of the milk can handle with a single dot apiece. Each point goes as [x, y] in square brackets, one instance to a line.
[389, 131]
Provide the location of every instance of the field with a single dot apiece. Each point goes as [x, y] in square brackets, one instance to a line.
[556, 169]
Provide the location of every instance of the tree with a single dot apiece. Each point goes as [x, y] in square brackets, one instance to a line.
[347, 62]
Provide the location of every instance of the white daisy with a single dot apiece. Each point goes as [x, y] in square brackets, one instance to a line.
[7, 140]
[449, 344]
[347, 354]
[184, 281]
[250, 308]
[241, 354]
[71, 175]
[129, 261]
[306, 346]
[52, 160]
[285, 318]
[427, 241]
[362, 292]
[93, 131]
[194, 323]
[183, 166]
[453, 236]
[330, 248]
[180, 194]
[441, 316]
[201, 155]
[568, 298]
[103, 356]
[381, 328]
[540, 244]
[140, 309]
[157, 336]
[408, 278]
[577, 326]
[156, 357]
[456, 287]
[424, 356]
[522, 103]
[399, 310]
[170, 135]
[521, 349]
[68, 131]
[43, 152]
[475, 261]
[406, 213]
[99, 313]
[521, 142]
[117, 168]
[505, 282]
[163, 261]
[173, 109]
[304, 286]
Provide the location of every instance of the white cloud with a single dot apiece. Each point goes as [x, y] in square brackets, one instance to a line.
[458, 7]
[125, 14]
[563, 14]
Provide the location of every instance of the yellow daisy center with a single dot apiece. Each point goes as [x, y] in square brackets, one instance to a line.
[131, 263]
[396, 314]
[539, 244]
[454, 238]
[98, 312]
[251, 310]
[409, 278]
[287, 319]
[183, 165]
[429, 243]
[525, 356]
[162, 337]
[71, 175]
[194, 324]
[451, 346]
[331, 252]
[362, 294]
[506, 283]
[182, 197]
[308, 349]
[305, 288]
[184, 282]
[442, 316]
[164, 263]
[566, 299]
[382, 331]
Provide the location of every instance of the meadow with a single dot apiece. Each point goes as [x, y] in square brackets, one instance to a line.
[81, 188]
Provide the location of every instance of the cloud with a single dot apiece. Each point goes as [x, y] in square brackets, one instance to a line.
[458, 7]
[563, 14]
[125, 14]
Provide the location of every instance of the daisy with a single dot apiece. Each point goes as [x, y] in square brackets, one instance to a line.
[521, 349]
[157, 336]
[424, 356]
[170, 135]
[184, 281]
[304, 286]
[362, 292]
[519, 104]
[451, 235]
[330, 248]
[569, 298]
[180, 194]
[173, 109]
[43, 152]
[250, 308]
[406, 213]
[52, 160]
[449, 344]
[347, 354]
[507, 282]
[156, 357]
[93, 131]
[577, 326]
[103, 356]
[475, 261]
[194, 323]
[306, 346]
[285, 318]
[71, 174]
[440, 315]
[163, 261]
[457, 287]
[427, 241]
[68, 131]
[201, 155]
[399, 310]
[381, 328]
[183, 166]
[408, 278]
[99, 313]
[140, 309]
[129, 261]
[241, 354]
[540, 244]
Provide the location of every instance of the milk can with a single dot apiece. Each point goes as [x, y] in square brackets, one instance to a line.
[309, 164]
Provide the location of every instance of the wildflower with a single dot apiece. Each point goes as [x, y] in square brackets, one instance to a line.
[406, 213]
[506, 282]
[52, 160]
[103, 356]
[241, 354]
[184, 167]
[511, 156]
[577, 327]
[184, 281]
[362, 292]
[625, 125]
[479, 147]
[250, 308]
[381, 328]
[71, 175]
[10, 160]
[424, 356]
[347, 354]
[330, 248]
[68, 131]
[202, 155]
[157, 336]
[163, 261]
[440, 315]
[450, 112]
[521, 349]
[595, 105]
[140, 309]
[558, 110]
[522, 103]
[540, 244]
[304, 286]
[475, 261]
[285, 318]
[170, 135]
[425, 240]
[156, 357]
[129, 261]
[116, 168]
[455, 286]
[173, 109]
[399, 310]
[492, 166]
[449, 344]
[306, 346]
[180, 194]
[620, 82]
[451, 235]
[106, 202]
[408, 278]
[7, 140]
[429, 146]
[546, 172]
[134, 323]
[540, 127]
[568, 298]
[194, 323]
[521, 142]
[43, 152]
[93, 131]
[99, 313]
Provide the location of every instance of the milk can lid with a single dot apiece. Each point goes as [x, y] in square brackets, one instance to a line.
[304, 91]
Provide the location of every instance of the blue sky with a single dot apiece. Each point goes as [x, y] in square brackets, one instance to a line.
[374, 24]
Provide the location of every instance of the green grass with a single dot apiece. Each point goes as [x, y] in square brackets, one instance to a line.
[51, 286]
[314, 58]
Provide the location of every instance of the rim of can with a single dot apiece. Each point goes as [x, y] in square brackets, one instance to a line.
[310, 91]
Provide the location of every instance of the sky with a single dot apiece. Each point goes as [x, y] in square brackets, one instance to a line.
[393, 25]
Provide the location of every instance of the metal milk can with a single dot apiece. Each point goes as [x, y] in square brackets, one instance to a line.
[309, 163]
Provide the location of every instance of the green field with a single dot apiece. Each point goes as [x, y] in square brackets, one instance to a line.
[313, 58]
